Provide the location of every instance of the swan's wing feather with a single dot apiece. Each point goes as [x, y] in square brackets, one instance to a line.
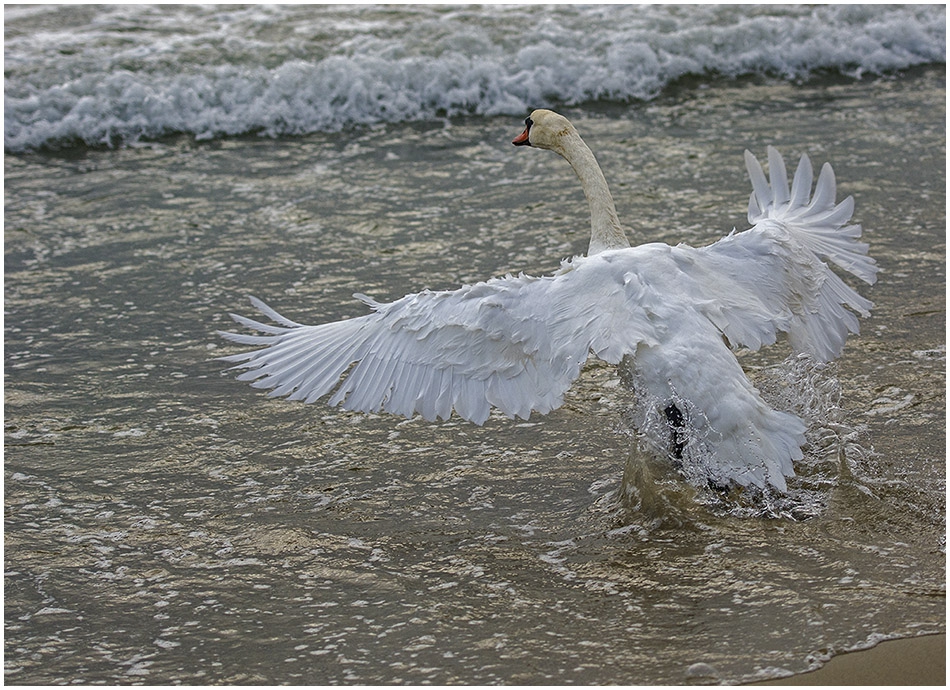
[818, 225]
[801, 183]
[515, 343]
[772, 278]
[271, 314]
[761, 196]
[733, 283]
[780, 194]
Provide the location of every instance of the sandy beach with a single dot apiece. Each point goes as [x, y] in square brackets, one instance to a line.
[908, 661]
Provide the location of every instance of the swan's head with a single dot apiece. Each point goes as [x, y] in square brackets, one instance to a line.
[545, 129]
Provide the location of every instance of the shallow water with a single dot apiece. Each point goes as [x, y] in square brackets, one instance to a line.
[167, 524]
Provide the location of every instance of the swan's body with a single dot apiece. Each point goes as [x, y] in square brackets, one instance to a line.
[517, 343]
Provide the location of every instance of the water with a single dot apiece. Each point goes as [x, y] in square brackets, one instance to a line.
[167, 524]
[108, 74]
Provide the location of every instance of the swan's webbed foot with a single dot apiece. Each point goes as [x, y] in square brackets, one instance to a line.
[678, 430]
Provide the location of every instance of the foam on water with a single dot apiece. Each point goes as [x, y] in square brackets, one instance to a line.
[114, 74]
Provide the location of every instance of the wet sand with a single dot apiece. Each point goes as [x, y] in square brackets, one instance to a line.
[910, 661]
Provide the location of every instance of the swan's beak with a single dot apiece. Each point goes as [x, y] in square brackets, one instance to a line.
[522, 139]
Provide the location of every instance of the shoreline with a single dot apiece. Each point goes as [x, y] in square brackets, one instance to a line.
[905, 661]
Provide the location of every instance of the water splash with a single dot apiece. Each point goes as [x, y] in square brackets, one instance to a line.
[666, 468]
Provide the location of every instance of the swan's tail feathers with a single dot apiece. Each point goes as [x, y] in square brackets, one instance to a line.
[814, 220]
[730, 436]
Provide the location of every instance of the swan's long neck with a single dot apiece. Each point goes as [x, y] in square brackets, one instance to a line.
[605, 229]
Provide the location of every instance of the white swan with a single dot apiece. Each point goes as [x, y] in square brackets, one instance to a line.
[517, 343]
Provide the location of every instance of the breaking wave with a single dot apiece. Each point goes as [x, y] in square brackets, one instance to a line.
[107, 75]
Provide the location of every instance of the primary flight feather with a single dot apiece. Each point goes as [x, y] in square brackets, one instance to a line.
[672, 313]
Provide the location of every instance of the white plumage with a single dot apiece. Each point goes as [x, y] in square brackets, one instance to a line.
[517, 343]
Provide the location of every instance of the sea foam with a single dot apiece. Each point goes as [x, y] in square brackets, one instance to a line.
[117, 74]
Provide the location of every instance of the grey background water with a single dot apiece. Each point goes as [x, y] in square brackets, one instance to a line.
[166, 524]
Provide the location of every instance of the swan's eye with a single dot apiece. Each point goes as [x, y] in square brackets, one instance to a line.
[528, 122]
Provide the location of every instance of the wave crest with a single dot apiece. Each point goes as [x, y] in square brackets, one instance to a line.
[290, 71]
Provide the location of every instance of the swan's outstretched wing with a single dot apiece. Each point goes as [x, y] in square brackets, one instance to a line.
[778, 264]
[515, 343]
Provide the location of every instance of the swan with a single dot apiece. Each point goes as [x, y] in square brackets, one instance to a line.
[673, 314]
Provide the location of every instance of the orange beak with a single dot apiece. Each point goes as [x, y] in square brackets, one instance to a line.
[522, 139]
